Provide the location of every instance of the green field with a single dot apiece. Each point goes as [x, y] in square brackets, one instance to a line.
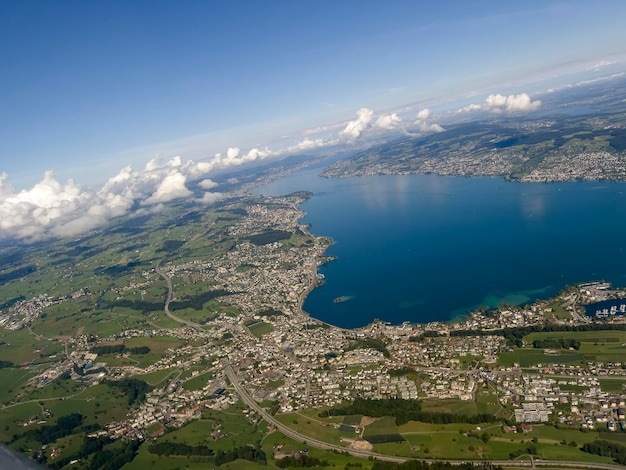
[596, 346]
[313, 427]
[260, 328]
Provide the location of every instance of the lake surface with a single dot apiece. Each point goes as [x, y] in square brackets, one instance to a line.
[422, 248]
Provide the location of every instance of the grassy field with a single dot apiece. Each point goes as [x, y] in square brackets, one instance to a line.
[598, 346]
[558, 311]
[334, 459]
[235, 428]
[20, 346]
[157, 344]
[260, 328]
[157, 378]
[315, 428]
[198, 382]
[385, 425]
[613, 385]
[12, 380]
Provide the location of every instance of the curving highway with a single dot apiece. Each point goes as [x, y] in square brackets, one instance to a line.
[312, 442]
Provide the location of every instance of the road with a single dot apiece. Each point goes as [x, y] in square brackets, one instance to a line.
[311, 442]
[307, 440]
[168, 298]
[363, 454]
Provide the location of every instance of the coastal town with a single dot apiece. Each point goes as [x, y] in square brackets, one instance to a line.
[543, 150]
[291, 362]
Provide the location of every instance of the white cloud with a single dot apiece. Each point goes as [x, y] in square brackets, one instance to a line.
[172, 187]
[423, 114]
[34, 212]
[306, 144]
[470, 108]
[5, 188]
[210, 198]
[54, 209]
[388, 121]
[421, 121]
[207, 184]
[355, 128]
[498, 103]
[600, 65]
[234, 157]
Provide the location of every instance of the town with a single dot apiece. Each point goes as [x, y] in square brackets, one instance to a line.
[291, 362]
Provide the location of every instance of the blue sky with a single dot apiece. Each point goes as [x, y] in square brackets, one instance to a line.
[96, 82]
[87, 88]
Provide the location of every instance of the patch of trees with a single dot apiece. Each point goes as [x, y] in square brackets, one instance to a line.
[46, 434]
[606, 449]
[530, 449]
[556, 343]
[139, 305]
[250, 453]
[269, 236]
[134, 389]
[370, 343]
[84, 251]
[109, 459]
[300, 460]
[17, 273]
[270, 312]
[314, 326]
[188, 218]
[401, 371]
[116, 270]
[108, 349]
[527, 139]
[119, 349]
[426, 334]
[404, 411]
[476, 435]
[178, 448]
[12, 302]
[618, 139]
[89, 447]
[197, 302]
[6, 364]
[171, 245]
[384, 438]
[240, 211]
[421, 465]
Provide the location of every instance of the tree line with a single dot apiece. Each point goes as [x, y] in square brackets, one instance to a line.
[515, 335]
[251, 453]
[404, 411]
[556, 343]
[370, 343]
[134, 389]
[606, 449]
[119, 349]
[421, 465]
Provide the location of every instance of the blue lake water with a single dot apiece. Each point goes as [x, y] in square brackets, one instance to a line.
[424, 248]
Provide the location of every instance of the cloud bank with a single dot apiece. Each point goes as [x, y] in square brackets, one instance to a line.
[355, 128]
[422, 122]
[52, 209]
[498, 103]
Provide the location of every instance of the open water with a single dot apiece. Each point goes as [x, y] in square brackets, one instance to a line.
[422, 248]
